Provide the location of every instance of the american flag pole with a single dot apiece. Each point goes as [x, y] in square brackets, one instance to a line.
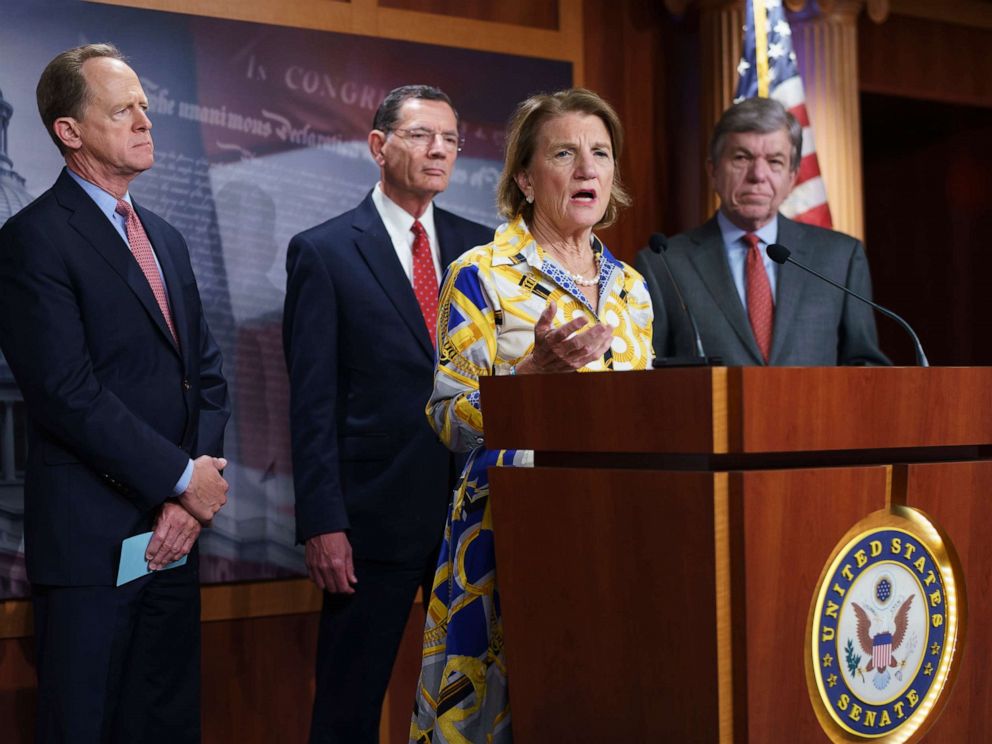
[760, 47]
[768, 70]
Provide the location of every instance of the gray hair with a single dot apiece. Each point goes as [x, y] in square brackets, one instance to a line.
[762, 116]
[62, 89]
[388, 112]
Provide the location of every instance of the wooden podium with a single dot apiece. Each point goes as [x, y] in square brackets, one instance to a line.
[656, 566]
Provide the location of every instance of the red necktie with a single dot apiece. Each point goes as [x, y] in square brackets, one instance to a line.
[141, 249]
[424, 279]
[760, 308]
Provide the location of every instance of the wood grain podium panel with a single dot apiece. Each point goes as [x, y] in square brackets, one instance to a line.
[792, 521]
[608, 604]
[618, 597]
[722, 410]
[671, 410]
[853, 408]
[956, 496]
[657, 578]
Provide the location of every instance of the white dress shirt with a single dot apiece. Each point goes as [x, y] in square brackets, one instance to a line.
[398, 223]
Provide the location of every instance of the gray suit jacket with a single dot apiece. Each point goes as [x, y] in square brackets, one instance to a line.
[815, 324]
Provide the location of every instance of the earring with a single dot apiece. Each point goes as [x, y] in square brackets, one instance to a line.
[530, 198]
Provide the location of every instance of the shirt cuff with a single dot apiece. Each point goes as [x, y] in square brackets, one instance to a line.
[183, 483]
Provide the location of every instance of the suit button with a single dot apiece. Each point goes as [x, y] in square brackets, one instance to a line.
[186, 385]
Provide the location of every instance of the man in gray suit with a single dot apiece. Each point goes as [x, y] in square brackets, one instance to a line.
[750, 310]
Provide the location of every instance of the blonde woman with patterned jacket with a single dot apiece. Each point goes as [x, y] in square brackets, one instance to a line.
[545, 296]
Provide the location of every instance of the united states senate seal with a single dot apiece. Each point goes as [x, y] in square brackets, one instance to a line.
[886, 629]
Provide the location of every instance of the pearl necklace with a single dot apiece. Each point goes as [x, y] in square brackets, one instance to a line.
[580, 279]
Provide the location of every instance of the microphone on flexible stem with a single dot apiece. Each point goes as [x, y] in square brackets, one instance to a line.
[780, 254]
[659, 244]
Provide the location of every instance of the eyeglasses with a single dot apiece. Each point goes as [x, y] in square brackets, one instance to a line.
[425, 138]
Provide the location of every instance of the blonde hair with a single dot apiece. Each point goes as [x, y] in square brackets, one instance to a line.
[521, 141]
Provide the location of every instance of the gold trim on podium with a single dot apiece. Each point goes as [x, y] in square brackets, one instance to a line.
[724, 619]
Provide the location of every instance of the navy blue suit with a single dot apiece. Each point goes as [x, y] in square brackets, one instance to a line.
[116, 411]
[365, 460]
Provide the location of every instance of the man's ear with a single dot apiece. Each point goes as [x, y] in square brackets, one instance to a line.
[67, 130]
[377, 138]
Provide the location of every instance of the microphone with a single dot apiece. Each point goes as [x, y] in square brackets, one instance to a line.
[780, 254]
[659, 245]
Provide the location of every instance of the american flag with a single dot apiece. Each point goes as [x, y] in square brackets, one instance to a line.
[881, 649]
[768, 69]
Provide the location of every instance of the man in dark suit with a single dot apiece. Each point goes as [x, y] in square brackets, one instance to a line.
[749, 309]
[372, 481]
[101, 323]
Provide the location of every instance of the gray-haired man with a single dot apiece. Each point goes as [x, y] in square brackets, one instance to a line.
[751, 311]
[372, 480]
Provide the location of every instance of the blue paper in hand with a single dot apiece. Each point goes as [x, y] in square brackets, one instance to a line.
[133, 564]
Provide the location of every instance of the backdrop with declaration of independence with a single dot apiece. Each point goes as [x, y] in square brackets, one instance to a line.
[260, 132]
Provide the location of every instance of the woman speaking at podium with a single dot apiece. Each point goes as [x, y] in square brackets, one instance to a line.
[544, 296]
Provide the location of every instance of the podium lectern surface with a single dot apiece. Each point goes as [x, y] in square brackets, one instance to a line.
[656, 577]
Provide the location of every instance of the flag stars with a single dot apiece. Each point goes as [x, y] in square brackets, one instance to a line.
[810, 202]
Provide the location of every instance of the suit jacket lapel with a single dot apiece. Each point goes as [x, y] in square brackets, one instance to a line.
[95, 229]
[450, 245]
[710, 259]
[791, 281]
[374, 244]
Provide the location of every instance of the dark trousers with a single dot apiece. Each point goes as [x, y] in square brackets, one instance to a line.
[359, 637]
[119, 665]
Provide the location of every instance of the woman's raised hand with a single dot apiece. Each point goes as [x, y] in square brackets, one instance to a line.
[562, 349]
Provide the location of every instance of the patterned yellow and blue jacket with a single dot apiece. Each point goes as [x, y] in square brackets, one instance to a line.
[490, 301]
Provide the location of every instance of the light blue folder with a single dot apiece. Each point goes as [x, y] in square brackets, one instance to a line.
[133, 564]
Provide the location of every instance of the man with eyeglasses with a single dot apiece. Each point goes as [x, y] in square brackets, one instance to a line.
[372, 481]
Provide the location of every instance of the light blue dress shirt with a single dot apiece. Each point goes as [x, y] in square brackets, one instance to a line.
[107, 204]
[733, 242]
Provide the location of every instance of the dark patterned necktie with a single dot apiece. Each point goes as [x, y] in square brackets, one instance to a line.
[424, 279]
[141, 249]
[760, 308]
